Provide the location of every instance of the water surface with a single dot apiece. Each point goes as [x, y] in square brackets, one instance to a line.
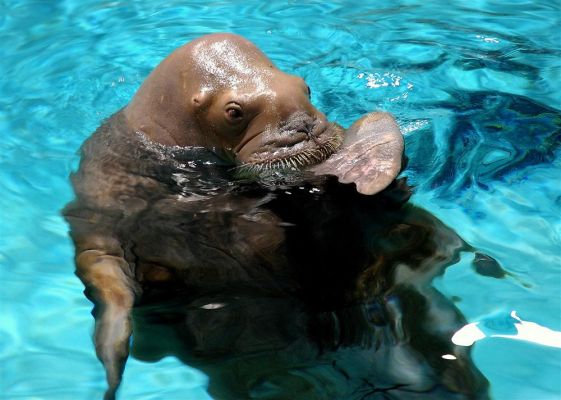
[475, 89]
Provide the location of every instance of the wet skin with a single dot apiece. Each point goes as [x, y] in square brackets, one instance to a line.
[222, 93]
[218, 185]
[341, 308]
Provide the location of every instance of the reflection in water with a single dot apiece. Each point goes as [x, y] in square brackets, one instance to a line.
[303, 292]
[491, 136]
[510, 326]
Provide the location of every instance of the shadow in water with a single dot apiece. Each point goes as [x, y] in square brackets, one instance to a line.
[349, 312]
[490, 136]
[309, 291]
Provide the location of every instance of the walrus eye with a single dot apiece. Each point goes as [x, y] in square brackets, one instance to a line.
[234, 112]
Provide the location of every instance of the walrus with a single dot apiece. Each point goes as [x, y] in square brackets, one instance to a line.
[350, 314]
[222, 93]
[178, 192]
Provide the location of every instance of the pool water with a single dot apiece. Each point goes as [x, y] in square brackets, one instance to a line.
[474, 87]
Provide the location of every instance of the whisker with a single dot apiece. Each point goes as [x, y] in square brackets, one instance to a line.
[290, 163]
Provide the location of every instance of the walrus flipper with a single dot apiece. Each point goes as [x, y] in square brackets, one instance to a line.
[113, 292]
[371, 154]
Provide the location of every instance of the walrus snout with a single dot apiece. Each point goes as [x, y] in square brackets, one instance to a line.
[300, 141]
[300, 126]
[300, 121]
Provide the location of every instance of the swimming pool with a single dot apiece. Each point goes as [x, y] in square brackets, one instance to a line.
[475, 89]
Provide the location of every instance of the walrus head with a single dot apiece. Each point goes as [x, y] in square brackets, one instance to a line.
[221, 92]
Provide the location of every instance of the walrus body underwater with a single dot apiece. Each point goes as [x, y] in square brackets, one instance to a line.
[207, 215]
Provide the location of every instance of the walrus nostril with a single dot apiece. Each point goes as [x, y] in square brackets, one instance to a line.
[304, 124]
[298, 121]
[312, 134]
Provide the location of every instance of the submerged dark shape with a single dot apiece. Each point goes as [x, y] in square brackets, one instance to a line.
[488, 266]
[277, 281]
[342, 307]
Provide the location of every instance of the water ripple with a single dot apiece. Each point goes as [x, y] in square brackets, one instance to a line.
[475, 88]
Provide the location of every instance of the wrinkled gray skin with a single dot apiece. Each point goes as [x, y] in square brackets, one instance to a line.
[219, 92]
[370, 155]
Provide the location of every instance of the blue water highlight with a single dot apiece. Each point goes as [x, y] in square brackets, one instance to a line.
[474, 87]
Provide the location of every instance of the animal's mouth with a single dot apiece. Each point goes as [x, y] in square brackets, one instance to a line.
[292, 150]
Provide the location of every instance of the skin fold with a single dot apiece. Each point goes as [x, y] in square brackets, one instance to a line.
[221, 188]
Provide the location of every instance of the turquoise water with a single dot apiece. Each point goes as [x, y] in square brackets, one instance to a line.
[475, 89]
